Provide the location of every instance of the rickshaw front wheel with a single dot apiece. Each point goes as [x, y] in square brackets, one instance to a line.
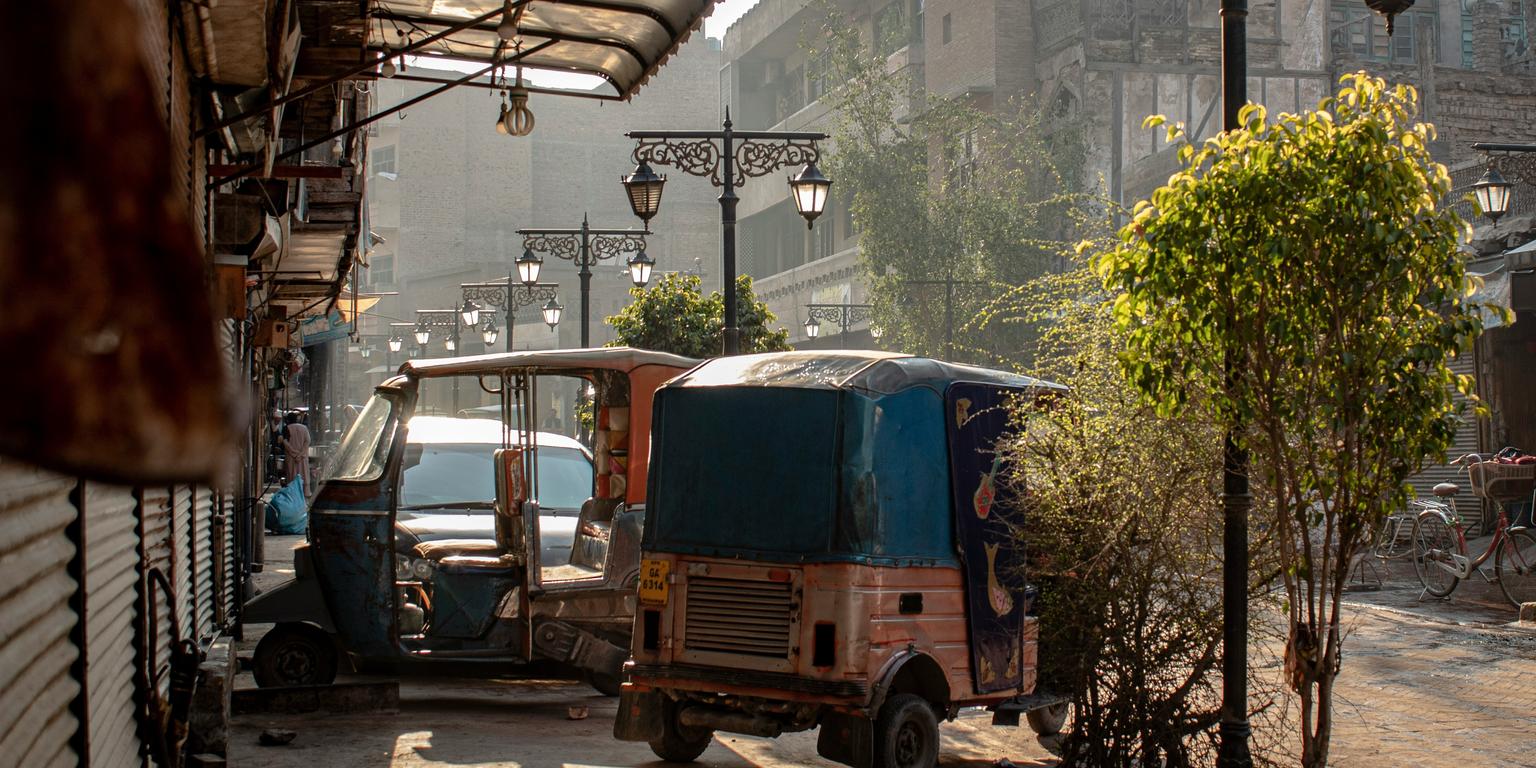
[679, 743]
[906, 733]
[294, 654]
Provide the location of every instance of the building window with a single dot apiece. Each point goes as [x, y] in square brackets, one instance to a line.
[382, 160]
[381, 270]
[818, 77]
[891, 30]
[961, 157]
[1359, 31]
[822, 242]
[947, 32]
[917, 21]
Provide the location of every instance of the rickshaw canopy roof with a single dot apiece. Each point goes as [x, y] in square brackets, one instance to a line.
[861, 370]
[624, 359]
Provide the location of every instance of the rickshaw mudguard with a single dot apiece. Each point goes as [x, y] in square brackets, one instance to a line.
[298, 600]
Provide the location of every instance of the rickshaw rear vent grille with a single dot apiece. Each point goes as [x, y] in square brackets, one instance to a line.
[738, 616]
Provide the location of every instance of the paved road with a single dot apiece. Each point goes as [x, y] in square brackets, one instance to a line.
[1433, 684]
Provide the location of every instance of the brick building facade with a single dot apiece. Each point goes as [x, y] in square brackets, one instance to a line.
[1112, 63]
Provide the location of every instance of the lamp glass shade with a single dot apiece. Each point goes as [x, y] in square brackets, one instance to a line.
[449, 344]
[1492, 194]
[643, 187]
[528, 266]
[365, 352]
[640, 266]
[810, 191]
[470, 313]
[488, 335]
[875, 331]
[552, 311]
[395, 343]
[423, 335]
[812, 328]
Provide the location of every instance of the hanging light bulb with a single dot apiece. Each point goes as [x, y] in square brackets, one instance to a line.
[507, 29]
[501, 119]
[387, 69]
[517, 118]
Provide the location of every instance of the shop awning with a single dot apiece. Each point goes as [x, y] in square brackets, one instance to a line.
[623, 42]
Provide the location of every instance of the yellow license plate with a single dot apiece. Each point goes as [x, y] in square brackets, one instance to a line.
[653, 581]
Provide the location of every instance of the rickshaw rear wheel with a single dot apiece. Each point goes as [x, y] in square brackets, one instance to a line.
[679, 743]
[294, 654]
[1048, 721]
[906, 733]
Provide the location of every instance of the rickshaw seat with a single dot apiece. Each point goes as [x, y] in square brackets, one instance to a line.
[438, 551]
[590, 545]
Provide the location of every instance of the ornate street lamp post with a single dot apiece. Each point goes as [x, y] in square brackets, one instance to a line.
[845, 315]
[1493, 190]
[585, 247]
[728, 157]
[507, 297]
[451, 319]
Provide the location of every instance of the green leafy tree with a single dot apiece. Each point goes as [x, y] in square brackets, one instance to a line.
[942, 189]
[1312, 250]
[673, 315]
[1121, 527]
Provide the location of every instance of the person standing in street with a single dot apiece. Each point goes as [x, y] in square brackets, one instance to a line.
[295, 440]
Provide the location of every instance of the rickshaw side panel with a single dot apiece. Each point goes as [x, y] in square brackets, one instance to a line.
[980, 418]
[643, 383]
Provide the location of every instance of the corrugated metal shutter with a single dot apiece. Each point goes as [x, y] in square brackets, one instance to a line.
[204, 563]
[111, 610]
[158, 541]
[224, 552]
[36, 723]
[1466, 442]
[182, 541]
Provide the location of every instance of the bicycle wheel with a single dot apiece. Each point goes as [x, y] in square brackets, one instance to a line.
[1434, 541]
[1514, 565]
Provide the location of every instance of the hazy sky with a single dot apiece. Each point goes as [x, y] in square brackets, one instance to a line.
[725, 13]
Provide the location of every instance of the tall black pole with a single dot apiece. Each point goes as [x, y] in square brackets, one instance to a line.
[510, 310]
[1235, 498]
[585, 262]
[456, 351]
[732, 336]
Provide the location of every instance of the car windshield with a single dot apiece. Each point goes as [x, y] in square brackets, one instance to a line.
[445, 475]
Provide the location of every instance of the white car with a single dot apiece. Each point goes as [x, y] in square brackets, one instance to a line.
[448, 486]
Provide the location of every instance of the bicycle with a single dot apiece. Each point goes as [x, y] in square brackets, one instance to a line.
[1439, 535]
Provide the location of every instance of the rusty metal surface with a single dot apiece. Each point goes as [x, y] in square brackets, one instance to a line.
[117, 374]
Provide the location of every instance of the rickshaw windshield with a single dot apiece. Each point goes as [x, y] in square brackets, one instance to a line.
[365, 449]
[759, 478]
[783, 473]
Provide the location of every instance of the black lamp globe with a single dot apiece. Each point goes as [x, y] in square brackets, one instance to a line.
[528, 266]
[470, 312]
[552, 311]
[640, 266]
[423, 335]
[812, 328]
[810, 191]
[1492, 193]
[488, 334]
[643, 187]
[395, 343]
